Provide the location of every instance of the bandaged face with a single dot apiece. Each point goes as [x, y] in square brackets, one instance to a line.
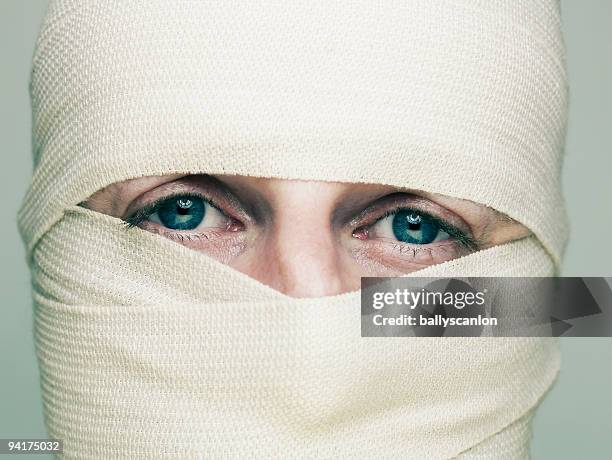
[201, 165]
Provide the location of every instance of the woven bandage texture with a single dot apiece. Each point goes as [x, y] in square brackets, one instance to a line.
[149, 350]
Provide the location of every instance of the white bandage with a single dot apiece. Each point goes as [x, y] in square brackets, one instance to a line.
[148, 349]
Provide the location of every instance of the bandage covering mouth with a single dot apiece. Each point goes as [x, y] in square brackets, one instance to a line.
[150, 350]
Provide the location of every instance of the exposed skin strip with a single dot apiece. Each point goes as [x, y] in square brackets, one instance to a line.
[298, 236]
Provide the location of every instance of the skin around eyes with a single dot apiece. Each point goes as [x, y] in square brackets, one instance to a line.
[225, 227]
[306, 238]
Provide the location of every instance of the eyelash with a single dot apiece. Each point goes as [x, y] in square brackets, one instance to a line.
[143, 214]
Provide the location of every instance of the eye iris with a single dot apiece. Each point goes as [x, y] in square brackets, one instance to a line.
[183, 213]
[411, 227]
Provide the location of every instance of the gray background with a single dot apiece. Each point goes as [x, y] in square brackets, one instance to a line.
[575, 420]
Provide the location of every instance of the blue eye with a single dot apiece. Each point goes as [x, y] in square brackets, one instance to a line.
[182, 212]
[416, 228]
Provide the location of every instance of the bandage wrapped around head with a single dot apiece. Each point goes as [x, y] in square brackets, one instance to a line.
[150, 350]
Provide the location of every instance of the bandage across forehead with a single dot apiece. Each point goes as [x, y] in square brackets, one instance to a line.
[139, 338]
[463, 98]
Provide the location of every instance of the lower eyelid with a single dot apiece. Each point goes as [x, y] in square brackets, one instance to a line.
[193, 236]
[405, 257]
[442, 246]
[220, 245]
[209, 237]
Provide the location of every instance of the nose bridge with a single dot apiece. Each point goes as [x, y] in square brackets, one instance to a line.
[304, 250]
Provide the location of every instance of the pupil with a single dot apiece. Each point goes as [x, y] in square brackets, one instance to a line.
[183, 206]
[414, 222]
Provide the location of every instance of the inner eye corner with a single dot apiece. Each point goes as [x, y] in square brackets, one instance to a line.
[361, 233]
